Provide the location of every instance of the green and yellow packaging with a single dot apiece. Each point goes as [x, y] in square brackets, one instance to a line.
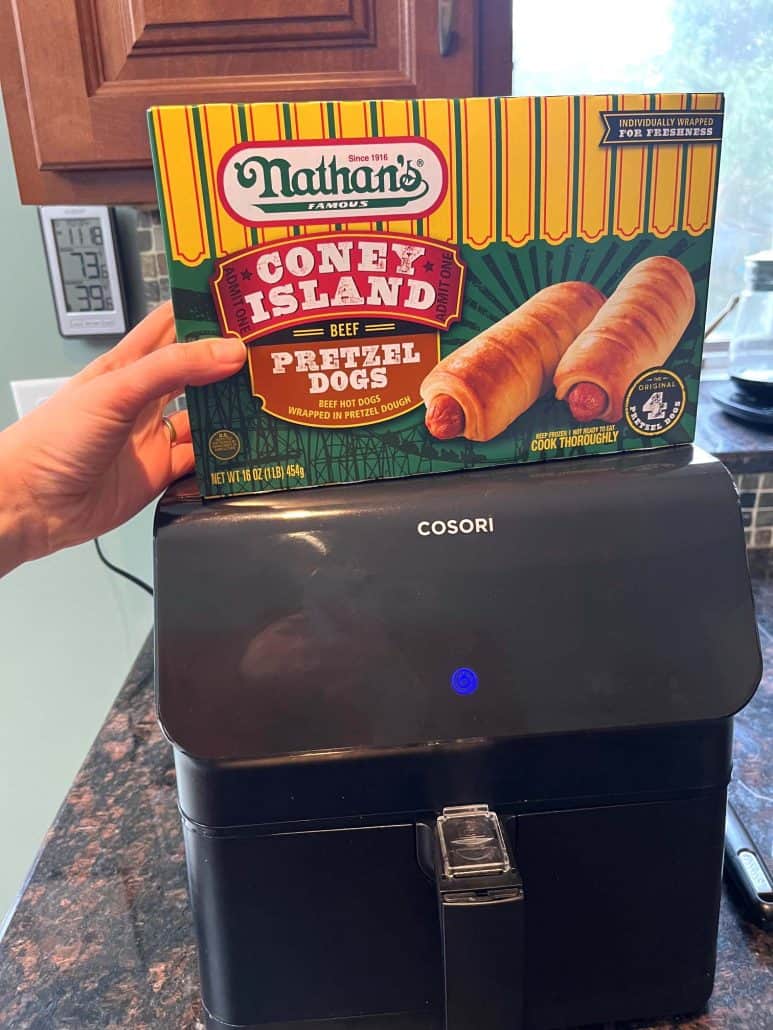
[426, 286]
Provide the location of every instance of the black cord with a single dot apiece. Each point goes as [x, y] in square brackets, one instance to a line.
[122, 572]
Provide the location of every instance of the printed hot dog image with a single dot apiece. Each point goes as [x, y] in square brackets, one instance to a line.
[637, 328]
[480, 389]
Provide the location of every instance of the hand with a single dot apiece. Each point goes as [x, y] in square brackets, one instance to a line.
[97, 452]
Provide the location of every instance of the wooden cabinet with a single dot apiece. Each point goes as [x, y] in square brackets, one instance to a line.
[78, 75]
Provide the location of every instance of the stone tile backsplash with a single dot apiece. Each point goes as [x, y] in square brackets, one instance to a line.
[150, 242]
[757, 508]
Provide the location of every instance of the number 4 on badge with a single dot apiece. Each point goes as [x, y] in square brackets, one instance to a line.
[655, 406]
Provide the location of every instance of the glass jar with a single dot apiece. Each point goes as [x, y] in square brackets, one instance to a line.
[751, 345]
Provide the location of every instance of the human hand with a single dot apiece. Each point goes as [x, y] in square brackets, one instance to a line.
[98, 451]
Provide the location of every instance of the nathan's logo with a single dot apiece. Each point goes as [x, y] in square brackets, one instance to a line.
[321, 180]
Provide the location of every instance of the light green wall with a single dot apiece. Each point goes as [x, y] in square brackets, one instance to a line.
[69, 628]
[30, 344]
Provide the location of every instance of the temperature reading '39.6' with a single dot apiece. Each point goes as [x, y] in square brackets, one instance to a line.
[83, 263]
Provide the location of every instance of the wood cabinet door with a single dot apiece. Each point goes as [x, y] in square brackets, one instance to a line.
[78, 75]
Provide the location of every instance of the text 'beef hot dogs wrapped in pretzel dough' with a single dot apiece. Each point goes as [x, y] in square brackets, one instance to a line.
[637, 329]
[482, 387]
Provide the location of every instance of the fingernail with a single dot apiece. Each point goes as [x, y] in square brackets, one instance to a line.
[228, 350]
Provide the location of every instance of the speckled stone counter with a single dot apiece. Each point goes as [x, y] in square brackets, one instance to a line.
[743, 447]
[102, 936]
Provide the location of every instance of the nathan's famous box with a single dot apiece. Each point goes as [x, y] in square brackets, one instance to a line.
[433, 285]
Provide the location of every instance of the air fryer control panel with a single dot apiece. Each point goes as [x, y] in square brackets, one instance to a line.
[539, 599]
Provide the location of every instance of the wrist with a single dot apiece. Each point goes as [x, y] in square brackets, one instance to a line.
[15, 545]
[23, 534]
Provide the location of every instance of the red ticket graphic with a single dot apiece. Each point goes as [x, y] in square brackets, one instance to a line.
[338, 276]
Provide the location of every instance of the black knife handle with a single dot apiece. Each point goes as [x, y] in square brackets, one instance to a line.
[746, 867]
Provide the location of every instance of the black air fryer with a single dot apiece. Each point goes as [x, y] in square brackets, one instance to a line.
[452, 752]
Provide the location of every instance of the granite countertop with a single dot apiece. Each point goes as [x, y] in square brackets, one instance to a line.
[102, 935]
[743, 447]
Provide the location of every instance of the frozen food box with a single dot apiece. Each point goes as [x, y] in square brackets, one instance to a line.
[431, 285]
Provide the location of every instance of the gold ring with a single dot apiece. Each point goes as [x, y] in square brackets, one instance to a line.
[170, 426]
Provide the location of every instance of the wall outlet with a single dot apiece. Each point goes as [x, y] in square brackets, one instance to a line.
[28, 393]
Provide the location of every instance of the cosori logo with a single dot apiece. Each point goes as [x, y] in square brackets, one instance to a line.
[306, 181]
[450, 527]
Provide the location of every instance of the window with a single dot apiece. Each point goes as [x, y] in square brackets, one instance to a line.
[604, 46]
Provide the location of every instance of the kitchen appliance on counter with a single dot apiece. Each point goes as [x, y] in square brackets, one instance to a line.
[453, 751]
[748, 394]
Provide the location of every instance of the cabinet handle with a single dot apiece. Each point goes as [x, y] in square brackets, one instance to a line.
[445, 32]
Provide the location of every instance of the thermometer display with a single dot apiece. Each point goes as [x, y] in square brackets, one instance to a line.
[84, 267]
[80, 247]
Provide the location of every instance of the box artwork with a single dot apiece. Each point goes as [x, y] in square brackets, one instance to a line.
[433, 285]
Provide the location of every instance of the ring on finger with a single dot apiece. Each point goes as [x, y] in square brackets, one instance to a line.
[170, 426]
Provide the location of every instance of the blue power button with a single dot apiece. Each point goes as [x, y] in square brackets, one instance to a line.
[464, 681]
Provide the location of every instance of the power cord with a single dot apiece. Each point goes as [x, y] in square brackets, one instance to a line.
[122, 572]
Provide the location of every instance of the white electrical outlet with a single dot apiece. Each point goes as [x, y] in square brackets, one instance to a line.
[29, 393]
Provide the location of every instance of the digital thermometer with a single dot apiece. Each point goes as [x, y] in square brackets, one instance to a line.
[84, 270]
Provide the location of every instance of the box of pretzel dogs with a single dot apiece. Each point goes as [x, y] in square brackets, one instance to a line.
[431, 285]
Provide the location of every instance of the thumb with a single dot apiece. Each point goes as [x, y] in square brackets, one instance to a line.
[126, 391]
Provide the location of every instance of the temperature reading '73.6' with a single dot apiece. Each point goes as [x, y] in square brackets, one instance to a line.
[83, 264]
